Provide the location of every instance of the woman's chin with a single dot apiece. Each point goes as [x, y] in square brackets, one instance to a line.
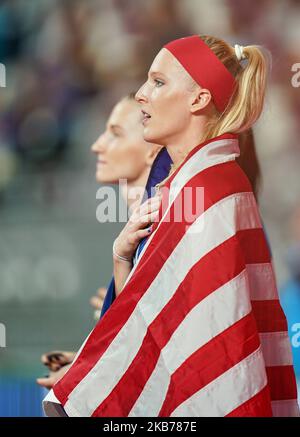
[101, 178]
[150, 136]
[110, 179]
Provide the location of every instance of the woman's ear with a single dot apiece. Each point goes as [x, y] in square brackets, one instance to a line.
[151, 153]
[201, 100]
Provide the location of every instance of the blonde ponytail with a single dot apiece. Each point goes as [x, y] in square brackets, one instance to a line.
[247, 102]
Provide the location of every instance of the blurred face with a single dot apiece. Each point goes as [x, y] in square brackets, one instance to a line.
[165, 100]
[121, 150]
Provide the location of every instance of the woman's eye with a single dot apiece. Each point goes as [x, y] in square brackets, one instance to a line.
[115, 134]
[158, 82]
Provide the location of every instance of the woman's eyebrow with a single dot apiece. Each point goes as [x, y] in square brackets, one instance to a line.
[115, 127]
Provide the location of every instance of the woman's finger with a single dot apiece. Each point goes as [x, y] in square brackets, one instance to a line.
[142, 233]
[152, 205]
[96, 302]
[54, 367]
[102, 292]
[144, 220]
[149, 218]
[50, 357]
[45, 382]
[136, 236]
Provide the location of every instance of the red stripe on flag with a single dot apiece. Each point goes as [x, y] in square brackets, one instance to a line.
[254, 245]
[210, 361]
[258, 406]
[269, 315]
[282, 382]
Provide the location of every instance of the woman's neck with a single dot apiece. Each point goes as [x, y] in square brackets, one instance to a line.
[181, 146]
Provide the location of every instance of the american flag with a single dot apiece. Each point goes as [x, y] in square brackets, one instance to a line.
[197, 329]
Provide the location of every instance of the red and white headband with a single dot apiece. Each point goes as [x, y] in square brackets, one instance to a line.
[204, 67]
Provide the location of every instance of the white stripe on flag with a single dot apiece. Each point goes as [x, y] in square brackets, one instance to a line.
[217, 312]
[262, 281]
[225, 393]
[276, 348]
[285, 408]
[222, 220]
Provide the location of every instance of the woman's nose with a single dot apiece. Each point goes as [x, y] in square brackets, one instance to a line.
[140, 96]
[99, 144]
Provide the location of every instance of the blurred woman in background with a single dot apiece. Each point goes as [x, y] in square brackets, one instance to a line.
[122, 154]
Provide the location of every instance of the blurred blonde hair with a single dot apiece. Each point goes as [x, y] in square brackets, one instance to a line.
[246, 104]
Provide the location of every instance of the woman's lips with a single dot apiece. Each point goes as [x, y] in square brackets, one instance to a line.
[145, 121]
[146, 117]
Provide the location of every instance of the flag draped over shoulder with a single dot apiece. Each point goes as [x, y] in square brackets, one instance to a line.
[197, 329]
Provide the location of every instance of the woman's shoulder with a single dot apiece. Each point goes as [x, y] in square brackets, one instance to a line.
[227, 176]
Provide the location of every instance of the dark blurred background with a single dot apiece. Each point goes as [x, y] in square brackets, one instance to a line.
[67, 62]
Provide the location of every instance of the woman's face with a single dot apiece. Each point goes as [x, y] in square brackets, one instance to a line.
[121, 150]
[166, 97]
